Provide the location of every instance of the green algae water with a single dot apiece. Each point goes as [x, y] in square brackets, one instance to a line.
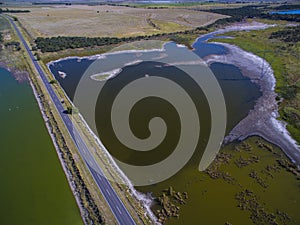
[213, 200]
[34, 189]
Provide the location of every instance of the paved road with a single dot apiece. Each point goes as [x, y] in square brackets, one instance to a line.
[117, 207]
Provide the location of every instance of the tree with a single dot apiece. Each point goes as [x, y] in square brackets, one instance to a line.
[53, 81]
[37, 55]
[71, 110]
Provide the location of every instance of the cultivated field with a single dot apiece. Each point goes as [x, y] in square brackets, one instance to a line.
[83, 20]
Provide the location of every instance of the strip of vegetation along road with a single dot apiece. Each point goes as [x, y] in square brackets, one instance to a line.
[89, 210]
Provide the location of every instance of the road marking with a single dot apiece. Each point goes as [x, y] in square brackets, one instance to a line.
[91, 162]
[119, 210]
[108, 191]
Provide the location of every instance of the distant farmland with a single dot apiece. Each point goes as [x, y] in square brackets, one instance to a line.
[119, 21]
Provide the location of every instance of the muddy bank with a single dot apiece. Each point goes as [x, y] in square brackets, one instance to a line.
[263, 119]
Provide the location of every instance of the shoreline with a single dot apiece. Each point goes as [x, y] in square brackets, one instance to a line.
[103, 55]
[240, 26]
[262, 120]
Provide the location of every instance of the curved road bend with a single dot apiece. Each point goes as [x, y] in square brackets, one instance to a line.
[119, 210]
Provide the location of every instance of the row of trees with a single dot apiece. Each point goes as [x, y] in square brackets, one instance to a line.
[255, 11]
[15, 45]
[287, 17]
[13, 11]
[289, 34]
[287, 7]
[240, 13]
[54, 44]
[59, 43]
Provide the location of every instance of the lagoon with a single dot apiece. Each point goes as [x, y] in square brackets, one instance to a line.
[229, 77]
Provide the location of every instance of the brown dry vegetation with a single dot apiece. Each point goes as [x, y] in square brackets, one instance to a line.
[103, 20]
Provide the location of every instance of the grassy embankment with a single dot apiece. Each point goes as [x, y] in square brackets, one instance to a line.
[88, 197]
[283, 56]
[132, 204]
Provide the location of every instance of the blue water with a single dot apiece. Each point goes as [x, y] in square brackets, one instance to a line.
[294, 12]
[203, 49]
